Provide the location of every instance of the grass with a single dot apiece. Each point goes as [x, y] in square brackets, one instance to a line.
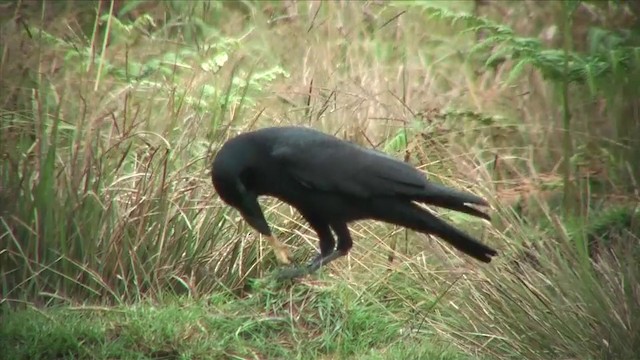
[560, 305]
[299, 321]
[113, 243]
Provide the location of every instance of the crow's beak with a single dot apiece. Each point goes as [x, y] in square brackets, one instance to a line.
[253, 215]
[257, 221]
[260, 224]
[251, 211]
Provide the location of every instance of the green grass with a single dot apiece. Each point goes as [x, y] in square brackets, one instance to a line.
[113, 243]
[297, 322]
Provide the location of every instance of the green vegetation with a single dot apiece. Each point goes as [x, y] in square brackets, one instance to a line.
[312, 321]
[113, 243]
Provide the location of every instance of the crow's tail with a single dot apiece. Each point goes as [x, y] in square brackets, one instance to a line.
[461, 241]
[440, 195]
[412, 216]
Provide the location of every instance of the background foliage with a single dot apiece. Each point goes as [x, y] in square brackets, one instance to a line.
[113, 242]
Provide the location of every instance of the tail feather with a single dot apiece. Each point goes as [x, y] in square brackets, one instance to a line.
[414, 217]
[461, 241]
[442, 196]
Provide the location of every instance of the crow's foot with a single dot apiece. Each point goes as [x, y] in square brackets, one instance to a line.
[321, 260]
[314, 265]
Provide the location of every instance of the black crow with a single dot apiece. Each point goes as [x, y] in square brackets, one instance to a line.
[332, 182]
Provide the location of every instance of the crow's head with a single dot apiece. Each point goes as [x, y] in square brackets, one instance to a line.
[231, 173]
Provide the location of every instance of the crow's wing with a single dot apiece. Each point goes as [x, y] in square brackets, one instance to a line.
[332, 165]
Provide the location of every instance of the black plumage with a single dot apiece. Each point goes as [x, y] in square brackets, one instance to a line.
[332, 182]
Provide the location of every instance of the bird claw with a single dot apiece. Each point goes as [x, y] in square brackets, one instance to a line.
[322, 260]
[291, 273]
[316, 262]
[299, 271]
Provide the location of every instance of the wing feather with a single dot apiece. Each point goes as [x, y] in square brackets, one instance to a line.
[332, 165]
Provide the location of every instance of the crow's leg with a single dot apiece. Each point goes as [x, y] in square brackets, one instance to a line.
[327, 242]
[344, 245]
[322, 261]
[344, 237]
[327, 245]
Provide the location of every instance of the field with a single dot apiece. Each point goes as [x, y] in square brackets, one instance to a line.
[114, 244]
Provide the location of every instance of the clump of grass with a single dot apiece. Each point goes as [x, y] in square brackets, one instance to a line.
[561, 287]
[562, 305]
[107, 184]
